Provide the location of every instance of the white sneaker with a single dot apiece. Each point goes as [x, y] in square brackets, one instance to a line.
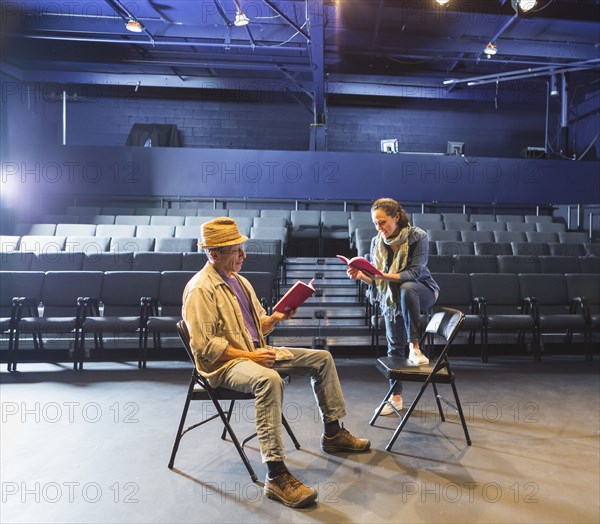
[416, 357]
[387, 409]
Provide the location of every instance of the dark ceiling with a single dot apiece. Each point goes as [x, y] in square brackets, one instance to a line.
[349, 47]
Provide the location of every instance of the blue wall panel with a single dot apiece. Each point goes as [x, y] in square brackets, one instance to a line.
[187, 172]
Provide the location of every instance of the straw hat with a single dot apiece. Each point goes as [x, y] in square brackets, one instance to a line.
[219, 232]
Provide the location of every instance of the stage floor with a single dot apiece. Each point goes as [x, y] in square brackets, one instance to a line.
[93, 446]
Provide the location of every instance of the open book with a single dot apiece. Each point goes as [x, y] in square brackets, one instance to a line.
[360, 263]
[295, 296]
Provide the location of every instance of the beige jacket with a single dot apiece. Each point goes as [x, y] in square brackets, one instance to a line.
[214, 320]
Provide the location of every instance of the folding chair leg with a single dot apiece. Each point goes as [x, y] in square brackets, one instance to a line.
[378, 411]
[460, 413]
[406, 416]
[290, 432]
[186, 406]
[228, 415]
[235, 440]
[439, 404]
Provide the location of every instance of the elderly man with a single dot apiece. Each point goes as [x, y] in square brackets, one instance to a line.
[227, 326]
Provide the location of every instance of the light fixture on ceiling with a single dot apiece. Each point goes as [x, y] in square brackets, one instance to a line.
[524, 5]
[553, 86]
[442, 2]
[240, 18]
[490, 50]
[133, 25]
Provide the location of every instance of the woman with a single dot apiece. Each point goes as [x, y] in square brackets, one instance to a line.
[400, 251]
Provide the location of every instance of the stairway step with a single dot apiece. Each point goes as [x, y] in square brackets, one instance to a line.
[302, 336]
[317, 275]
[323, 323]
[318, 261]
[327, 269]
[333, 291]
[320, 282]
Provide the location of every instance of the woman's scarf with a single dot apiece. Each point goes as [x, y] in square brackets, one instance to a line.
[387, 295]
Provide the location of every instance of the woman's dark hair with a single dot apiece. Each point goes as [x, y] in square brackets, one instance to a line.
[392, 208]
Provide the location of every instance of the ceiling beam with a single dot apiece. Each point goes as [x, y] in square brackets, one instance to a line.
[288, 19]
[318, 129]
[348, 85]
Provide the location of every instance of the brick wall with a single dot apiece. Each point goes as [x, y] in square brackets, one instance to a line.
[276, 123]
[214, 122]
[266, 121]
[426, 126]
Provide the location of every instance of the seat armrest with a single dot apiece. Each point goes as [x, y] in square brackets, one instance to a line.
[17, 307]
[581, 302]
[530, 306]
[148, 308]
[87, 306]
[479, 307]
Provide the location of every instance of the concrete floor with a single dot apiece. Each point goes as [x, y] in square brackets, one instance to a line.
[93, 446]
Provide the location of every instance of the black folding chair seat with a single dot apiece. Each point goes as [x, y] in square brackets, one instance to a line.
[445, 325]
[200, 389]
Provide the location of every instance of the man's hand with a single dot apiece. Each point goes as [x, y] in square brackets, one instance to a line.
[277, 315]
[263, 356]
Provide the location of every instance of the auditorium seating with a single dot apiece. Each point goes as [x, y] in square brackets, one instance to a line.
[133, 220]
[176, 245]
[159, 240]
[500, 304]
[72, 299]
[63, 311]
[163, 220]
[552, 310]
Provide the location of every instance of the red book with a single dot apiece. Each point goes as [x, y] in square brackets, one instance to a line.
[360, 263]
[295, 296]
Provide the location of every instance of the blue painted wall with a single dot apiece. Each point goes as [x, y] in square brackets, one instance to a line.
[189, 172]
[255, 148]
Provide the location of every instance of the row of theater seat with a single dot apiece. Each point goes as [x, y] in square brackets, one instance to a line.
[451, 247]
[54, 244]
[513, 264]
[264, 260]
[362, 237]
[314, 219]
[136, 304]
[271, 260]
[293, 218]
[542, 305]
[87, 211]
[76, 304]
[166, 226]
[77, 236]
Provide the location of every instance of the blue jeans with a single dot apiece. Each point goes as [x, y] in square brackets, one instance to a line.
[414, 298]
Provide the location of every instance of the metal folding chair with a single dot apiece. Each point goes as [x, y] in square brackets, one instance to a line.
[445, 325]
[200, 389]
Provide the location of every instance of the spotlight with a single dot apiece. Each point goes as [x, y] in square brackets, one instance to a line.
[490, 50]
[134, 25]
[525, 5]
[442, 2]
[553, 86]
[241, 19]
